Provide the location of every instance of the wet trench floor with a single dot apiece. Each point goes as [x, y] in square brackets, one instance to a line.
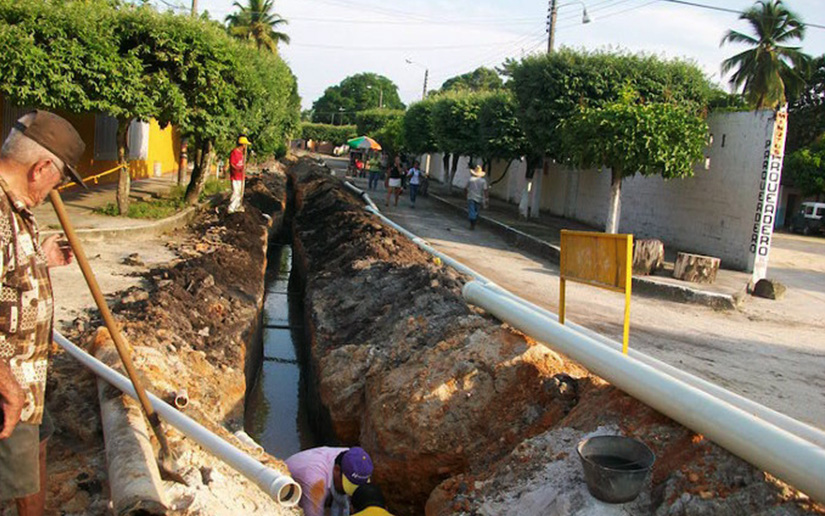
[276, 407]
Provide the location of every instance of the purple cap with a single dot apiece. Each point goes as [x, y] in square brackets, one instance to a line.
[356, 465]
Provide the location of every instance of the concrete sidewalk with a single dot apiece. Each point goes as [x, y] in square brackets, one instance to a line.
[542, 236]
[81, 205]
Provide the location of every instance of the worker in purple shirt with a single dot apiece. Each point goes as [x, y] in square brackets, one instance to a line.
[329, 477]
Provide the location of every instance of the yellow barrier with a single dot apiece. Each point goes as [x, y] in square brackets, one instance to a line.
[601, 260]
[93, 178]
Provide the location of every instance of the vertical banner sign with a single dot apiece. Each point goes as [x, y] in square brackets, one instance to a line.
[768, 199]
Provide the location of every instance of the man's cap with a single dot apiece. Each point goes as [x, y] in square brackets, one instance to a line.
[55, 134]
[243, 140]
[368, 495]
[356, 465]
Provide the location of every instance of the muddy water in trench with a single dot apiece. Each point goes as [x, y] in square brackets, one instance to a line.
[276, 410]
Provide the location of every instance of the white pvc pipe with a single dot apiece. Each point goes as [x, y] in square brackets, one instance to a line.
[794, 426]
[281, 488]
[779, 452]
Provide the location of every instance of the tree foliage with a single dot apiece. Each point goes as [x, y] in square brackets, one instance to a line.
[633, 137]
[769, 72]
[339, 104]
[806, 167]
[480, 79]
[500, 132]
[257, 24]
[552, 87]
[336, 134]
[418, 128]
[391, 136]
[455, 122]
[135, 63]
[807, 110]
[371, 121]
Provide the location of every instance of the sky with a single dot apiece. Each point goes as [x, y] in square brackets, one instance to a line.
[332, 39]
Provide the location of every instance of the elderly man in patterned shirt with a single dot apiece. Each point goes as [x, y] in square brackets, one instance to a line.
[41, 151]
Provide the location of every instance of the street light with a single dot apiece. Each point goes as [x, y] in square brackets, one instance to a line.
[551, 20]
[380, 95]
[426, 74]
[340, 110]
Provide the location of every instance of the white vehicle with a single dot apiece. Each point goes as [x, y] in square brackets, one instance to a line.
[809, 219]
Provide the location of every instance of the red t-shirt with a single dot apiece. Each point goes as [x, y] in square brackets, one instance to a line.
[236, 164]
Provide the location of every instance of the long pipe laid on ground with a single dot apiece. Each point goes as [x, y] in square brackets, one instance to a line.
[281, 488]
[794, 426]
[781, 453]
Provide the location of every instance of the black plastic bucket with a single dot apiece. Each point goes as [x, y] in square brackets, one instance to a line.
[615, 467]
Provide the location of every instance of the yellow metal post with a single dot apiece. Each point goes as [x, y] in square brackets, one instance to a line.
[627, 288]
[562, 287]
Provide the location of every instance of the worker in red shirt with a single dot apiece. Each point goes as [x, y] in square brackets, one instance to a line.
[237, 164]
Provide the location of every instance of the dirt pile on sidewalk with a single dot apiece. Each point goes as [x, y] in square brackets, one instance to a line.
[188, 326]
[434, 389]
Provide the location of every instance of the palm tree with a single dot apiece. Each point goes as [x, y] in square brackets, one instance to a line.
[257, 24]
[769, 71]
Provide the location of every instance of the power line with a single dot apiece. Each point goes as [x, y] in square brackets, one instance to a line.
[615, 13]
[726, 10]
[392, 49]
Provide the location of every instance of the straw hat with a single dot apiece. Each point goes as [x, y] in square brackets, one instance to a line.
[478, 171]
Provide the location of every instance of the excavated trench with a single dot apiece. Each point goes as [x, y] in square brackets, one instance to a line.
[459, 411]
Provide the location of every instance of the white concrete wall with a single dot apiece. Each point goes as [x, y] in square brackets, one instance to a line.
[711, 213]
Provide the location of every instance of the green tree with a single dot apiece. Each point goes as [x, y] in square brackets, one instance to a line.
[455, 126]
[480, 79]
[255, 22]
[807, 110]
[806, 167]
[418, 128]
[335, 134]
[552, 87]
[391, 136]
[371, 121]
[339, 104]
[631, 137]
[769, 72]
[500, 133]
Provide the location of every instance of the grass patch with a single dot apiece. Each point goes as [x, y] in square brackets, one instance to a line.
[166, 207]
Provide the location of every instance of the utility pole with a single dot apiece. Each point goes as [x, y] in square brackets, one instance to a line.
[380, 98]
[424, 91]
[551, 25]
[194, 8]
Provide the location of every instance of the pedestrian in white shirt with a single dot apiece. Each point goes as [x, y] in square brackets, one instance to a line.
[415, 175]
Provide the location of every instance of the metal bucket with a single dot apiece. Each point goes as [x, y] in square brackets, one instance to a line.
[615, 467]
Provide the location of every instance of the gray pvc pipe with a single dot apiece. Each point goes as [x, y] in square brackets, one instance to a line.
[281, 488]
[794, 426]
[779, 452]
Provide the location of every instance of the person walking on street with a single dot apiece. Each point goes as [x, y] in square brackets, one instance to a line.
[237, 166]
[477, 194]
[369, 501]
[416, 176]
[41, 151]
[394, 175]
[375, 173]
[328, 477]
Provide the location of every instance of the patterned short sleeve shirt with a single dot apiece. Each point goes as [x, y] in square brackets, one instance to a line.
[26, 302]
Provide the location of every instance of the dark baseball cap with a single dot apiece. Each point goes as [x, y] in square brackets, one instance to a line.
[356, 465]
[58, 136]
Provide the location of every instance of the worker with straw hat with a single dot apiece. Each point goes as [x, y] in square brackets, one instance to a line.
[477, 194]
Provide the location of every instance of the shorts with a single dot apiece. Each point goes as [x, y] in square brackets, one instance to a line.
[394, 183]
[20, 459]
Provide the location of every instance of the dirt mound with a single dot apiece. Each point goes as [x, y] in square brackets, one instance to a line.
[188, 326]
[404, 366]
[434, 389]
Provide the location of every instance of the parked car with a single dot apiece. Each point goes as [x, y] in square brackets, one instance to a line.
[809, 219]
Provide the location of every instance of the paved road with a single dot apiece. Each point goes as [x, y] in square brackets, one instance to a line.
[765, 351]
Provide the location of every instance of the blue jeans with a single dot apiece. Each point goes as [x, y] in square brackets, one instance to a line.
[413, 192]
[374, 177]
[473, 208]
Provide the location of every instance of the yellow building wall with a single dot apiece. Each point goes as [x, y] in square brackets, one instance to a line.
[164, 147]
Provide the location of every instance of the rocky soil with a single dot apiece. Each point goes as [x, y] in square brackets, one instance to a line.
[189, 325]
[447, 398]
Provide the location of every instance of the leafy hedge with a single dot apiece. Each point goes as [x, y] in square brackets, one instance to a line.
[336, 134]
[417, 128]
[552, 87]
[370, 121]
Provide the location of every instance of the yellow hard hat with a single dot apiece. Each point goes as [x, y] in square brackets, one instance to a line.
[243, 140]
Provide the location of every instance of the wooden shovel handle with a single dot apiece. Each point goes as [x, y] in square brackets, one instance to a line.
[114, 331]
